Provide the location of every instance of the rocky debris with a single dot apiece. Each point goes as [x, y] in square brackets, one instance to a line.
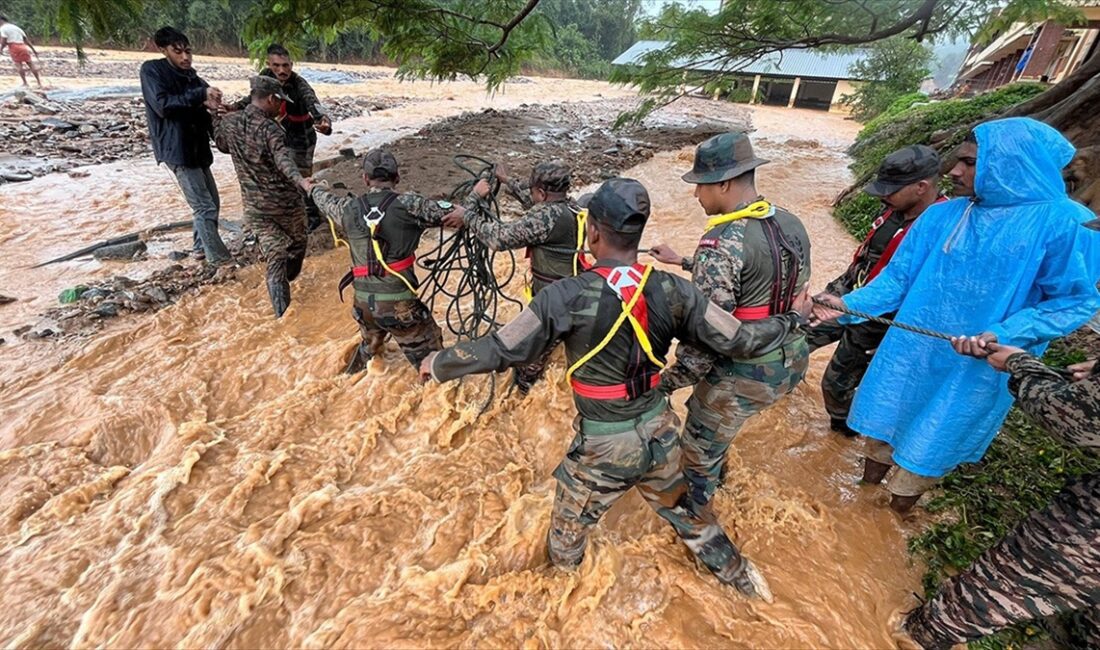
[127, 251]
[96, 131]
[4, 300]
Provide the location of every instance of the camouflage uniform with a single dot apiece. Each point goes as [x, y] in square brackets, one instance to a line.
[273, 207]
[858, 342]
[549, 232]
[733, 267]
[383, 303]
[297, 120]
[624, 442]
[1051, 562]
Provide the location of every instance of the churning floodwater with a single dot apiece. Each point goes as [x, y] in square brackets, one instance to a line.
[205, 476]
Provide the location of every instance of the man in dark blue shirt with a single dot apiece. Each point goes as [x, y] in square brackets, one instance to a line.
[177, 105]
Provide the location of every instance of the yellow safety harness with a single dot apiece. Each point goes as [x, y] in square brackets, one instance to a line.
[757, 210]
[627, 313]
[373, 218]
[582, 221]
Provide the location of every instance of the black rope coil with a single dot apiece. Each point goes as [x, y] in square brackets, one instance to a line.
[461, 268]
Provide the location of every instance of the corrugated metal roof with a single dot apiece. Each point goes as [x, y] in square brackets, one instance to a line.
[788, 63]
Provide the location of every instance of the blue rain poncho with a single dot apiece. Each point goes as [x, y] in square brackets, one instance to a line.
[1016, 262]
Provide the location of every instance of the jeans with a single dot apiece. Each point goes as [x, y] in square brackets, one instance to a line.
[201, 194]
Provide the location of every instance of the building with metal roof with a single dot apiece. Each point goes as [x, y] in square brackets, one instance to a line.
[794, 78]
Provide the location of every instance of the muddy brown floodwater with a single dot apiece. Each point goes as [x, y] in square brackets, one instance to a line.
[205, 477]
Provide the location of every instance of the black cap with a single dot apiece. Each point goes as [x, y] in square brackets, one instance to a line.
[584, 199]
[379, 163]
[904, 167]
[621, 204]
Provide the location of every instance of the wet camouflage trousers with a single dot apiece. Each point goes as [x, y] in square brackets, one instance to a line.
[1049, 564]
[303, 158]
[731, 393]
[850, 361]
[604, 461]
[283, 243]
[408, 321]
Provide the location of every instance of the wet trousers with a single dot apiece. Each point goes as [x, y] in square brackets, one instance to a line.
[849, 362]
[409, 321]
[731, 393]
[201, 193]
[1049, 564]
[283, 243]
[303, 158]
[606, 460]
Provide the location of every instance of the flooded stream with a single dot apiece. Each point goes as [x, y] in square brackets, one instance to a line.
[205, 477]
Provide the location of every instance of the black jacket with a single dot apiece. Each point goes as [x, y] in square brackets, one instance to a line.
[179, 125]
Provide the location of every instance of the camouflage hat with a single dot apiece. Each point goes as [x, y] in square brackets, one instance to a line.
[725, 156]
[379, 163]
[904, 167]
[552, 176]
[268, 86]
[621, 204]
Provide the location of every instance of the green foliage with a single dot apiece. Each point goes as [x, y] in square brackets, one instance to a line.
[894, 68]
[907, 122]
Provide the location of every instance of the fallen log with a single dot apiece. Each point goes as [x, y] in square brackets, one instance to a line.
[124, 239]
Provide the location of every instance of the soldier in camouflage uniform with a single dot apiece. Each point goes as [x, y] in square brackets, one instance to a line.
[386, 301]
[270, 181]
[1051, 562]
[626, 435]
[302, 118]
[550, 231]
[907, 184]
[753, 259]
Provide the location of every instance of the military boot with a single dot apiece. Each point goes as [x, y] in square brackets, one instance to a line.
[279, 290]
[359, 359]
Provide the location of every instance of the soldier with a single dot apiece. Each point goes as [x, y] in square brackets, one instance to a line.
[907, 183]
[617, 321]
[1051, 562]
[302, 117]
[383, 229]
[273, 207]
[552, 230]
[753, 259]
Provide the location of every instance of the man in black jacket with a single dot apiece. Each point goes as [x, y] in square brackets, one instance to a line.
[177, 105]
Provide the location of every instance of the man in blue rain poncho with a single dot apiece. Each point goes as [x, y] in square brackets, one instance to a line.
[1011, 263]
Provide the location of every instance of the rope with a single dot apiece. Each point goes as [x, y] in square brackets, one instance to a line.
[886, 321]
[461, 269]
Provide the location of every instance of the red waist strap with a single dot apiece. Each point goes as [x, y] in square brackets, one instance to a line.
[752, 313]
[399, 265]
[615, 391]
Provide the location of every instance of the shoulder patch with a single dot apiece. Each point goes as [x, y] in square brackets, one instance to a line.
[708, 242]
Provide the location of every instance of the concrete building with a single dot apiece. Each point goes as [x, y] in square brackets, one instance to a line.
[793, 78]
[1046, 52]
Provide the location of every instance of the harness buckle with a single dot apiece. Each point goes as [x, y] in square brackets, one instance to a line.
[623, 277]
[373, 217]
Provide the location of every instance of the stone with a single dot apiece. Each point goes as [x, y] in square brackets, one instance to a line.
[4, 300]
[157, 294]
[16, 177]
[21, 330]
[176, 256]
[126, 251]
[60, 125]
[106, 310]
[94, 293]
[88, 128]
[46, 109]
